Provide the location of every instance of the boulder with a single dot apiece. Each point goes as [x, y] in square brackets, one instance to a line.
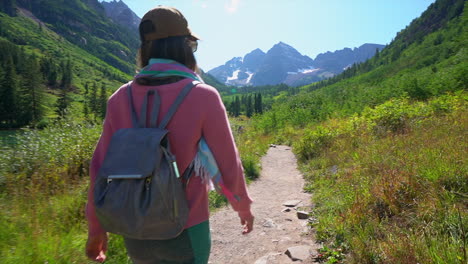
[292, 203]
[269, 223]
[299, 253]
[302, 214]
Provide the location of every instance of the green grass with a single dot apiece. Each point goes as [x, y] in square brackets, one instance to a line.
[43, 192]
[392, 192]
[388, 172]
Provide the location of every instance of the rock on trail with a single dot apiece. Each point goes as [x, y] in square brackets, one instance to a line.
[278, 233]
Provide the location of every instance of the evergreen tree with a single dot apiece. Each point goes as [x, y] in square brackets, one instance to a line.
[2, 108]
[63, 102]
[8, 6]
[415, 90]
[377, 54]
[31, 93]
[49, 70]
[230, 108]
[93, 106]
[8, 95]
[85, 109]
[258, 104]
[52, 76]
[249, 107]
[66, 75]
[102, 103]
[237, 108]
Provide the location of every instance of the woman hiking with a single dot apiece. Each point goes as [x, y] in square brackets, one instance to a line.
[199, 133]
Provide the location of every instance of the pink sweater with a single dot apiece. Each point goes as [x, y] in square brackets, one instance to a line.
[201, 113]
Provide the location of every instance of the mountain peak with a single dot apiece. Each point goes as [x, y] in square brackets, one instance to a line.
[118, 11]
[253, 60]
[283, 45]
[371, 46]
[338, 60]
[284, 64]
[257, 50]
[283, 48]
[234, 60]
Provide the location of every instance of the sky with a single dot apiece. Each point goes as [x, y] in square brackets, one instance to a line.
[233, 28]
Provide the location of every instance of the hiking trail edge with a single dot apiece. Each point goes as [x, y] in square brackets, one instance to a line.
[275, 228]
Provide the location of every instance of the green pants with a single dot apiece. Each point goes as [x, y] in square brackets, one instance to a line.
[192, 246]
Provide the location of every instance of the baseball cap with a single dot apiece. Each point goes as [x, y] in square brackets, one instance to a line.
[167, 22]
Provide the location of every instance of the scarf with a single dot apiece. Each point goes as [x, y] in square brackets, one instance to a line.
[204, 164]
[158, 68]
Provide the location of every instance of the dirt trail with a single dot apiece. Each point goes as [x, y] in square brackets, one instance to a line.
[274, 230]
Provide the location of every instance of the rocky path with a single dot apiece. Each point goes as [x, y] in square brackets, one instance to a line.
[275, 229]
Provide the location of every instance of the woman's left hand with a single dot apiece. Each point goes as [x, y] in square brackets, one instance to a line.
[247, 220]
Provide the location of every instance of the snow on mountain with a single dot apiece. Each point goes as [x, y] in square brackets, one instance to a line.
[235, 76]
[259, 68]
[284, 64]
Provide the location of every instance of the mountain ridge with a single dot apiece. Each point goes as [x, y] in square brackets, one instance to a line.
[282, 63]
[121, 14]
[85, 24]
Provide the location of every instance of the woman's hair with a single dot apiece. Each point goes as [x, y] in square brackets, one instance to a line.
[174, 48]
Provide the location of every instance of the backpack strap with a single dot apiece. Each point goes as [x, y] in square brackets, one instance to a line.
[132, 108]
[154, 112]
[141, 122]
[144, 107]
[176, 104]
[155, 109]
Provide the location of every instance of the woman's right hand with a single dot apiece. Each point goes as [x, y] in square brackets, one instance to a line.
[247, 220]
[96, 247]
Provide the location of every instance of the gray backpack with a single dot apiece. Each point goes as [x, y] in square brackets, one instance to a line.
[138, 192]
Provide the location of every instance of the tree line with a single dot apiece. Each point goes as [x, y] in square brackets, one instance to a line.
[26, 85]
[95, 102]
[22, 89]
[248, 104]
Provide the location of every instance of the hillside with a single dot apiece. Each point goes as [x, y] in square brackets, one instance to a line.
[85, 24]
[339, 60]
[121, 14]
[420, 66]
[69, 71]
[383, 146]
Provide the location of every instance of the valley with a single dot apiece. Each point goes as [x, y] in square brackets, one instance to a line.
[378, 133]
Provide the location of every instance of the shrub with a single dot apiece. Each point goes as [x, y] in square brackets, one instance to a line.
[251, 167]
[391, 116]
[400, 198]
[50, 158]
[313, 143]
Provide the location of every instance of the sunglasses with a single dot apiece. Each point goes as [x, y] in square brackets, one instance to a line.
[193, 44]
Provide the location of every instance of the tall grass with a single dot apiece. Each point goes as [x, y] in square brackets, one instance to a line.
[391, 185]
[43, 186]
[252, 146]
[43, 181]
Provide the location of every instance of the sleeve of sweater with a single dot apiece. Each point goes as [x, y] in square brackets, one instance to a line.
[98, 157]
[218, 136]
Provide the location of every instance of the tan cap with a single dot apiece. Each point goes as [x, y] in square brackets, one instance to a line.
[168, 22]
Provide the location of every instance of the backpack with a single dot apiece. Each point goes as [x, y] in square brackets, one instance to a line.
[138, 192]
